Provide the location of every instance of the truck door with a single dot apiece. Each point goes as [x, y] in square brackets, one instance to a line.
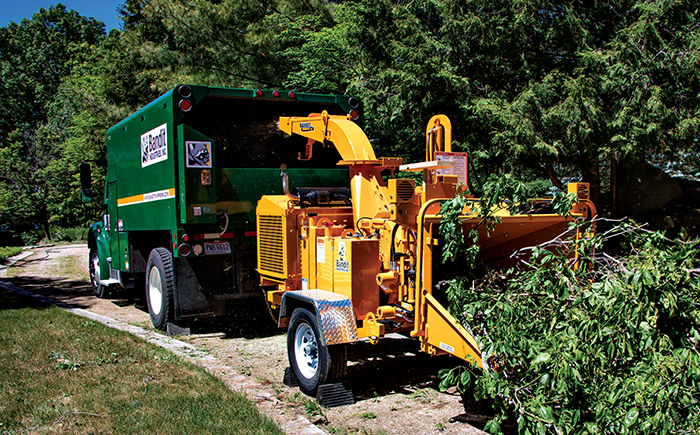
[111, 226]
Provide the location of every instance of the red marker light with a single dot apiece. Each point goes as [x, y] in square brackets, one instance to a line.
[185, 238]
[276, 94]
[259, 93]
[185, 105]
[292, 95]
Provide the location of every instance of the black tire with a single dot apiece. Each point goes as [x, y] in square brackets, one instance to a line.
[100, 290]
[160, 287]
[313, 362]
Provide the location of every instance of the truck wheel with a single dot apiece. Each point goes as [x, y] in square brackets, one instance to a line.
[313, 362]
[100, 290]
[160, 286]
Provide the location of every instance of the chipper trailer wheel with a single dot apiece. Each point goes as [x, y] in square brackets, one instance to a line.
[160, 284]
[100, 290]
[312, 361]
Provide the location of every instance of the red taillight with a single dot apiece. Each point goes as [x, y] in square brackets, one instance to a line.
[185, 238]
[276, 94]
[196, 237]
[354, 115]
[184, 250]
[185, 105]
[259, 93]
[292, 95]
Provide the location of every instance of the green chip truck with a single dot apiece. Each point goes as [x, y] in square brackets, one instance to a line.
[184, 175]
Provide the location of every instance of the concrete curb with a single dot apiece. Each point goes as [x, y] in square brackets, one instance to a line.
[300, 426]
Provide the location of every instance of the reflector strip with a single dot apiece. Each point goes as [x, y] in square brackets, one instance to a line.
[251, 233]
[211, 236]
[147, 197]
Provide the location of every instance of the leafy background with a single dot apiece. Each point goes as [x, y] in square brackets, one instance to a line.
[547, 91]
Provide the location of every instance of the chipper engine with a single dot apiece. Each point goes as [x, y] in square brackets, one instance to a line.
[344, 264]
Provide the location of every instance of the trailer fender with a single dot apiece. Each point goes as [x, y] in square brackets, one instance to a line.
[334, 312]
[97, 237]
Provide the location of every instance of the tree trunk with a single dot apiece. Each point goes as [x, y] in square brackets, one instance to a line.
[45, 226]
[553, 177]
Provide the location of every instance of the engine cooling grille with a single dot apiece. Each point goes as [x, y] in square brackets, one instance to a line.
[404, 190]
[271, 245]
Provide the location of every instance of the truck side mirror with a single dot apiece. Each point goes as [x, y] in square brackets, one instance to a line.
[86, 181]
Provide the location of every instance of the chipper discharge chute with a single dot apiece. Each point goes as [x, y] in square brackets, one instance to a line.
[342, 264]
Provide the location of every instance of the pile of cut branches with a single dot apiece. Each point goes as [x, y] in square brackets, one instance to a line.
[613, 348]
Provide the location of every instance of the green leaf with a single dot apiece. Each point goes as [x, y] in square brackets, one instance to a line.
[541, 358]
[631, 417]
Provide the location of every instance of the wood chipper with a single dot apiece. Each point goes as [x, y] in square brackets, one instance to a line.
[343, 264]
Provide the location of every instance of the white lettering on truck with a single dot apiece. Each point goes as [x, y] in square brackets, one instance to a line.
[154, 146]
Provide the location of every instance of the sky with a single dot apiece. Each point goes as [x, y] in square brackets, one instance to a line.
[101, 10]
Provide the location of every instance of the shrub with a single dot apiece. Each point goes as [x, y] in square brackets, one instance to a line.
[610, 349]
[75, 234]
[8, 252]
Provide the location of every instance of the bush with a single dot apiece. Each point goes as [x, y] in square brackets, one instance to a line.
[76, 234]
[8, 252]
[610, 349]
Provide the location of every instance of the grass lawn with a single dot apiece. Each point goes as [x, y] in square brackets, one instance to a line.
[6, 253]
[61, 373]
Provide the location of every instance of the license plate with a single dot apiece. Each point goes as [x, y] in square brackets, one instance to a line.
[217, 248]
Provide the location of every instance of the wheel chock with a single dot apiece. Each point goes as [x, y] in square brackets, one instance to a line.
[290, 378]
[333, 395]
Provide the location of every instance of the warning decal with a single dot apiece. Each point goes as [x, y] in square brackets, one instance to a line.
[198, 154]
[154, 146]
[460, 168]
[321, 251]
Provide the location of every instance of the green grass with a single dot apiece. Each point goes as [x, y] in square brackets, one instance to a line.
[8, 252]
[60, 373]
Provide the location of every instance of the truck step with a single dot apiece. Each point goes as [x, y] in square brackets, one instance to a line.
[332, 395]
[109, 281]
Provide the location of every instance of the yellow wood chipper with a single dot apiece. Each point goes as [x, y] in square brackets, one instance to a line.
[341, 264]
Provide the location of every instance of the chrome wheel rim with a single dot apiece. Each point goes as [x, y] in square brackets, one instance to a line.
[155, 291]
[306, 351]
[96, 270]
